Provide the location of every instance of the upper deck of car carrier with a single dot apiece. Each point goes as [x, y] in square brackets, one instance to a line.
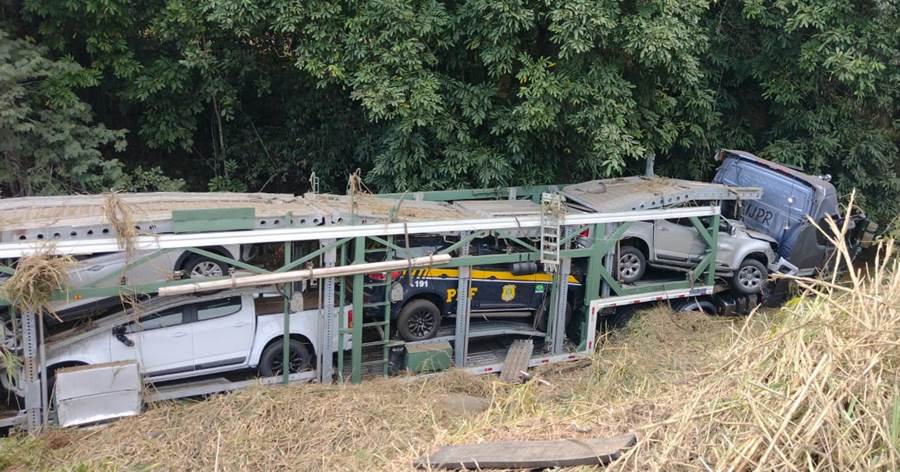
[85, 217]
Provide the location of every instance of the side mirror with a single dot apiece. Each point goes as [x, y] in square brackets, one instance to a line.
[524, 268]
[119, 333]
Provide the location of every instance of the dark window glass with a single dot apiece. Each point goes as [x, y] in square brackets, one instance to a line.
[218, 308]
[162, 319]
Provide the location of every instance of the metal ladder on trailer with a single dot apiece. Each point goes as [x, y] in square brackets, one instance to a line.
[552, 215]
[383, 325]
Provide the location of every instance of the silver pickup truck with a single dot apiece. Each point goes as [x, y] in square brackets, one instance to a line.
[745, 256]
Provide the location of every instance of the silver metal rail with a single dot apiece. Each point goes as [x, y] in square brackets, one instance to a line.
[175, 241]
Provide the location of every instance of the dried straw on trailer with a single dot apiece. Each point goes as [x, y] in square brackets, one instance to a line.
[35, 279]
[121, 217]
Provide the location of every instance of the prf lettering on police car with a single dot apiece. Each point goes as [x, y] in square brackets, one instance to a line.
[451, 293]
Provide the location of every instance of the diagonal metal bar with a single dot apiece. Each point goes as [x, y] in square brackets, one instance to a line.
[227, 260]
[312, 255]
[462, 242]
[523, 244]
[387, 244]
[702, 230]
[573, 234]
[701, 268]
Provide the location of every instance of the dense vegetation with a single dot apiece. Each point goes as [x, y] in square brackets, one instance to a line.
[423, 94]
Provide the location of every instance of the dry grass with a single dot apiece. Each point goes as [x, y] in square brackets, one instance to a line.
[303, 427]
[121, 217]
[818, 391]
[36, 278]
[385, 425]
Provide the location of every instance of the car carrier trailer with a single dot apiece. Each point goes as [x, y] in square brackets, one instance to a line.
[330, 231]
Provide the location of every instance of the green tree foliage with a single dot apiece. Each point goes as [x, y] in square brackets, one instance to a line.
[221, 111]
[425, 94]
[487, 92]
[816, 84]
[48, 141]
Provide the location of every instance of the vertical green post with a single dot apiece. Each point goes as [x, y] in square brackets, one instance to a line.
[388, 281]
[595, 264]
[359, 252]
[594, 268]
[286, 339]
[713, 249]
[342, 326]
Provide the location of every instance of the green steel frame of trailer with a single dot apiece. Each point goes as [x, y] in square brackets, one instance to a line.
[599, 273]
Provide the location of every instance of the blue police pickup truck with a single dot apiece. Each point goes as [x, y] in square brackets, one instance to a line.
[791, 203]
[424, 299]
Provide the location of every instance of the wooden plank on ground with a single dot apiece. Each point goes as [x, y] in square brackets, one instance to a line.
[516, 361]
[529, 454]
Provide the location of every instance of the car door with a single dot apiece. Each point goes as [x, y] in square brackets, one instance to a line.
[162, 341]
[223, 331]
[677, 241]
[498, 290]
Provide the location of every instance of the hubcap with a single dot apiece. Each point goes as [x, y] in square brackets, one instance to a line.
[295, 358]
[750, 277]
[206, 269]
[629, 265]
[421, 323]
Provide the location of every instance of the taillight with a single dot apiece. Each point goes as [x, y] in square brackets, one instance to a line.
[585, 233]
[349, 318]
[380, 275]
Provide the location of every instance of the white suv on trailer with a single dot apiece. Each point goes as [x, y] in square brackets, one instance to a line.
[192, 336]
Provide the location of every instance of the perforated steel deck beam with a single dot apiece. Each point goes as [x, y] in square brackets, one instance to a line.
[30, 381]
[463, 306]
[286, 334]
[328, 317]
[167, 241]
[560, 299]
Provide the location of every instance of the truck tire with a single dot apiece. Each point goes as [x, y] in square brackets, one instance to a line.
[271, 361]
[198, 267]
[750, 277]
[419, 320]
[631, 264]
[696, 306]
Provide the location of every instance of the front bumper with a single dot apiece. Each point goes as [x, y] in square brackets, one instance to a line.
[783, 266]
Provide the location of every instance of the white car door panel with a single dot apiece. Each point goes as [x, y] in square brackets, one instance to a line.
[163, 342]
[223, 332]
